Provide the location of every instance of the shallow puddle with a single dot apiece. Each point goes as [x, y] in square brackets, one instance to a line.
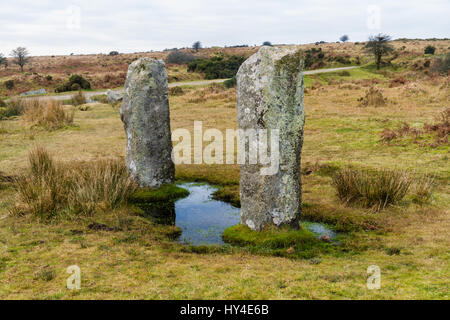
[320, 230]
[203, 219]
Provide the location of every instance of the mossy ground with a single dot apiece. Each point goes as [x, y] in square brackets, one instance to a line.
[166, 193]
[283, 242]
[409, 242]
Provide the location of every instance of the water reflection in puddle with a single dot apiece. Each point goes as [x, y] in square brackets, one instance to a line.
[203, 219]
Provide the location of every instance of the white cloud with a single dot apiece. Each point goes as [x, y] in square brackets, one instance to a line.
[142, 25]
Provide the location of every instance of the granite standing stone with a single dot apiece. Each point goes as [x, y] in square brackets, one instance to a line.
[270, 96]
[145, 113]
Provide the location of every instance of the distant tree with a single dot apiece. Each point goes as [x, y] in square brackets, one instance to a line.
[114, 53]
[197, 46]
[21, 56]
[3, 61]
[344, 38]
[379, 46]
[267, 43]
[430, 50]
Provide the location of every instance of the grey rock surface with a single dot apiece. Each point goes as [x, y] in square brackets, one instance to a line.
[114, 96]
[145, 114]
[32, 93]
[270, 96]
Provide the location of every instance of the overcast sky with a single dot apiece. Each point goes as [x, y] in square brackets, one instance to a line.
[93, 26]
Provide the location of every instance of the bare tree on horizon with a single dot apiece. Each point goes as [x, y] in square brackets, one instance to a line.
[21, 56]
[344, 38]
[197, 46]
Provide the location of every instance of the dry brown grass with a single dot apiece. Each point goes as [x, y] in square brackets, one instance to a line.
[52, 189]
[373, 98]
[337, 133]
[79, 99]
[213, 92]
[439, 130]
[47, 113]
[423, 189]
[372, 189]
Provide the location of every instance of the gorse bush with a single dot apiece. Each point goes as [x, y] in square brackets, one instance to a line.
[52, 189]
[430, 50]
[46, 113]
[179, 57]
[371, 189]
[76, 82]
[9, 84]
[218, 67]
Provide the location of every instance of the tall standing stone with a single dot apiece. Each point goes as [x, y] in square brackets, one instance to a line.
[270, 96]
[145, 114]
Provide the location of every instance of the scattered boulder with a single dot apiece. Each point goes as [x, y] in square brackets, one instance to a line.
[114, 96]
[32, 93]
[146, 116]
[270, 96]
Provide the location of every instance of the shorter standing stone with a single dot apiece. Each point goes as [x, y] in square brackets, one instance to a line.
[146, 116]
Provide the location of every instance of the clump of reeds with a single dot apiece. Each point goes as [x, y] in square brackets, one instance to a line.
[51, 189]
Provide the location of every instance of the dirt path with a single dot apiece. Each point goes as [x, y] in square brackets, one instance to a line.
[191, 83]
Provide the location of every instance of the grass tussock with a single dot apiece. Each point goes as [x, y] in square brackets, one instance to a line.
[52, 189]
[373, 98]
[78, 99]
[12, 108]
[101, 98]
[372, 189]
[47, 113]
[176, 91]
[423, 189]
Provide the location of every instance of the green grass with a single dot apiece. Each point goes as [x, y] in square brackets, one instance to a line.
[355, 74]
[284, 242]
[270, 238]
[408, 241]
[167, 193]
